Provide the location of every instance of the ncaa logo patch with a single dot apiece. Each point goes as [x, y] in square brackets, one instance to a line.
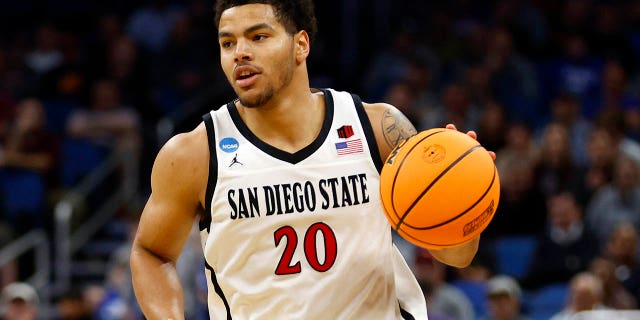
[228, 145]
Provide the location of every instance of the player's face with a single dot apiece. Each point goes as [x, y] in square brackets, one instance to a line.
[256, 53]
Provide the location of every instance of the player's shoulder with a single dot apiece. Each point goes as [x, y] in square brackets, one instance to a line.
[378, 108]
[384, 114]
[188, 142]
[188, 150]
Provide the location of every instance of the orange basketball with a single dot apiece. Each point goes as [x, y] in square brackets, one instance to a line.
[439, 188]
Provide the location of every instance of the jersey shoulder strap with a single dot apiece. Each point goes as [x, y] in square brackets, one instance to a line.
[368, 132]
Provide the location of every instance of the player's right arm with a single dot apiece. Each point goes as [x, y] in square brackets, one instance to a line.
[178, 184]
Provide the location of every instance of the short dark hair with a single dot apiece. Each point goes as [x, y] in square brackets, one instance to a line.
[295, 15]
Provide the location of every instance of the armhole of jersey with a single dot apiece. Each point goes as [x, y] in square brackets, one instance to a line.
[368, 132]
[205, 222]
[406, 315]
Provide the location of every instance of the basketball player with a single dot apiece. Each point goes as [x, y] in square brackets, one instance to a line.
[284, 180]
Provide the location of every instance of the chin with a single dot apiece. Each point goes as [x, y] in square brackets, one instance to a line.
[248, 101]
[257, 99]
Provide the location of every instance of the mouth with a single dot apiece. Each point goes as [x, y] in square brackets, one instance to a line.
[245, 75]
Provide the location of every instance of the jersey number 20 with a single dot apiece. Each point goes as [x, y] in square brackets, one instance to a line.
[310, 251]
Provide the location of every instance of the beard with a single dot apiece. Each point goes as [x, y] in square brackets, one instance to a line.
[261, 99]
[284, 79]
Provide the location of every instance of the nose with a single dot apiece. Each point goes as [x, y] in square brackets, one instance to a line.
[242, 51]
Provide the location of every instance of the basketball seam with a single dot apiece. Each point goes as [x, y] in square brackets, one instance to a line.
[404, 233]
[453, 164]
[395, 177]
[484, 194]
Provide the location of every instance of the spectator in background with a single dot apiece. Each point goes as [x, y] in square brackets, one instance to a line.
[574, 16]
[477, 78]
[391, 65]
[151, 24]
[419, 80]
[118, 278]
[617, 202]
[609, 38]
[401, 95]
[46, 56]
[127, 66]
[19, 302]
[29, 156]
[456, 107]
[631, 110]
[566, 110]
[503, 299]
[614, 90]
[612, 120]
[65, 83]
[106, 121]
[519, 197]
[616, 296]
[30, 145]
[108, 124]
[109, 29]
[565, 248]
[17, 80]
[492, 126]
[70, 306]
[601, 154]
[513, 78]
[576, 71]
[526, 22]
[585, 293]
[105, 304]
[622, 249]
[519, 145]
[555, 170]
[183, 67]
[118, 301]
[472, 280]
[444, 301]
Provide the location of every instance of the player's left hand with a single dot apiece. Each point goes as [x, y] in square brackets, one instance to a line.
[473, 135]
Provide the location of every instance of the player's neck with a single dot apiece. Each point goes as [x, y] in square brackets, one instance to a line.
[290, 121]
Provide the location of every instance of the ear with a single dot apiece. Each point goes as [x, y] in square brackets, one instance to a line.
[302, 46]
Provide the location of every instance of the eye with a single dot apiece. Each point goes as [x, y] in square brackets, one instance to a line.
[259, 37]
[226, 44]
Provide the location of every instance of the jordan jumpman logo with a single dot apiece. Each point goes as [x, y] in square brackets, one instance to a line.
[235, 161]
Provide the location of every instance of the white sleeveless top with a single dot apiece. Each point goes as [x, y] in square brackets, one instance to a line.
[302, 235]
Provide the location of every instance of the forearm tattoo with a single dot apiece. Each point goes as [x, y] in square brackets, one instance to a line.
[396, 127]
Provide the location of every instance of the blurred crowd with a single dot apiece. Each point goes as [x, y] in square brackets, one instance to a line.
[552, 86]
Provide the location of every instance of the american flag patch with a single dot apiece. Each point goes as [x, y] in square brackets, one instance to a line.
[349, 147]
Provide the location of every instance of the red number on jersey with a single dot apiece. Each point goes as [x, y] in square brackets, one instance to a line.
[310, 248]
[284, 266]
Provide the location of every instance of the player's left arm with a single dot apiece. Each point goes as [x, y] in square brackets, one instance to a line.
[390, 127]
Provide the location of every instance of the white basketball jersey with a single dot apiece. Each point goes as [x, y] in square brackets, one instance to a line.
[302, 235]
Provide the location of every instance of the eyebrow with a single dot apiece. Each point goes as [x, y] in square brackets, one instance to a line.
[249, 30]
